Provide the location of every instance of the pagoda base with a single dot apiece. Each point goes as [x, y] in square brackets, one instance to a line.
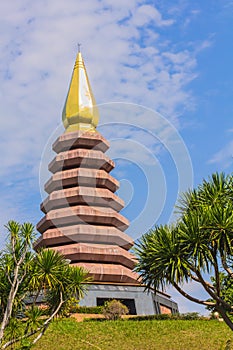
[134, 297]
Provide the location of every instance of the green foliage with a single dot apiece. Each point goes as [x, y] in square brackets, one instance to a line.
[189, 316]
[114, 309]
[162, 258]
[25, 274]
[226, 286]
[33, 316]
[186, 317]
[14, 329]
[17, 256]
[25, 344]
[199, 243]
[87, 309]
[48, 265]
[72, 286]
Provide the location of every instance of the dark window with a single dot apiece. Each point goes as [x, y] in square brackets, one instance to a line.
[130, 303]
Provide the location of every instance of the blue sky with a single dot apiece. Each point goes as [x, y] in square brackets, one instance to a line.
[162, 74]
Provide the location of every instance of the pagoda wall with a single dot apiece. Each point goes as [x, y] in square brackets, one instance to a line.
[82, 217]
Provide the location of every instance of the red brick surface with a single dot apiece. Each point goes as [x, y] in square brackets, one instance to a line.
[82, 219]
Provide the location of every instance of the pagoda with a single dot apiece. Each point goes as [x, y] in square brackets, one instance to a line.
[82, 219]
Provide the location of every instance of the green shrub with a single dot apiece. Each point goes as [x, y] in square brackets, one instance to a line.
[151, 317]
[189, 316]
[186, 316]
[114, 309]
[87, 309]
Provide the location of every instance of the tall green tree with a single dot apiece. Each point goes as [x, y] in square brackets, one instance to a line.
[200, 244]
[24, 275]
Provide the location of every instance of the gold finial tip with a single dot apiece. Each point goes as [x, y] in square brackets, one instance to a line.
[79, 47]
[80, 111]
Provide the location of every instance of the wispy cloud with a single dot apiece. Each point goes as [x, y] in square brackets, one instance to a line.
[38, 48]
[127, 58]
[146, 14]
[185, 305]
[224, 157]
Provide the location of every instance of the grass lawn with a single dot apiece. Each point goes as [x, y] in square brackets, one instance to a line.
[67, 334]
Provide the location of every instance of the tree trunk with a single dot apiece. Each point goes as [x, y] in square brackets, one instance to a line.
[223, 313]
[10, 301]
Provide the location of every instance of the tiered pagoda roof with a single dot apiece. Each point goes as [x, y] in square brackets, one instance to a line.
[82, 217]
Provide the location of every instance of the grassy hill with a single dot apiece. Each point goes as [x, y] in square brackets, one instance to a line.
[68, 334]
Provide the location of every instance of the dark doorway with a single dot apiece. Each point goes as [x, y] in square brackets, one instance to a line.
[130, 303]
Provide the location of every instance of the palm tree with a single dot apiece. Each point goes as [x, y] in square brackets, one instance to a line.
[70, 289]
[47, 268]
[199, 243]
[14, 266]
[23, 272]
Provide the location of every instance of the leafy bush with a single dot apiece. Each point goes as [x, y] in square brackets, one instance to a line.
[114, 309]
[151, 317]
[187, 316]
[86, 309]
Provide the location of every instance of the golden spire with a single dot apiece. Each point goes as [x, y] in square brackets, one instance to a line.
[80, 111]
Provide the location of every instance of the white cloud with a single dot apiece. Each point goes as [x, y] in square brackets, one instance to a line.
[147, 13]
[37, 54]
[126, 58]
[224, 156]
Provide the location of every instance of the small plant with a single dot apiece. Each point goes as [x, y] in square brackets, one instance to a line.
[25, 345]
[114, 309]
[87, 309]
[186, 317]
[190, 316]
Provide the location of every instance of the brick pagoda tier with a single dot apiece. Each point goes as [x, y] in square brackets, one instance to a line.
[82, 217]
